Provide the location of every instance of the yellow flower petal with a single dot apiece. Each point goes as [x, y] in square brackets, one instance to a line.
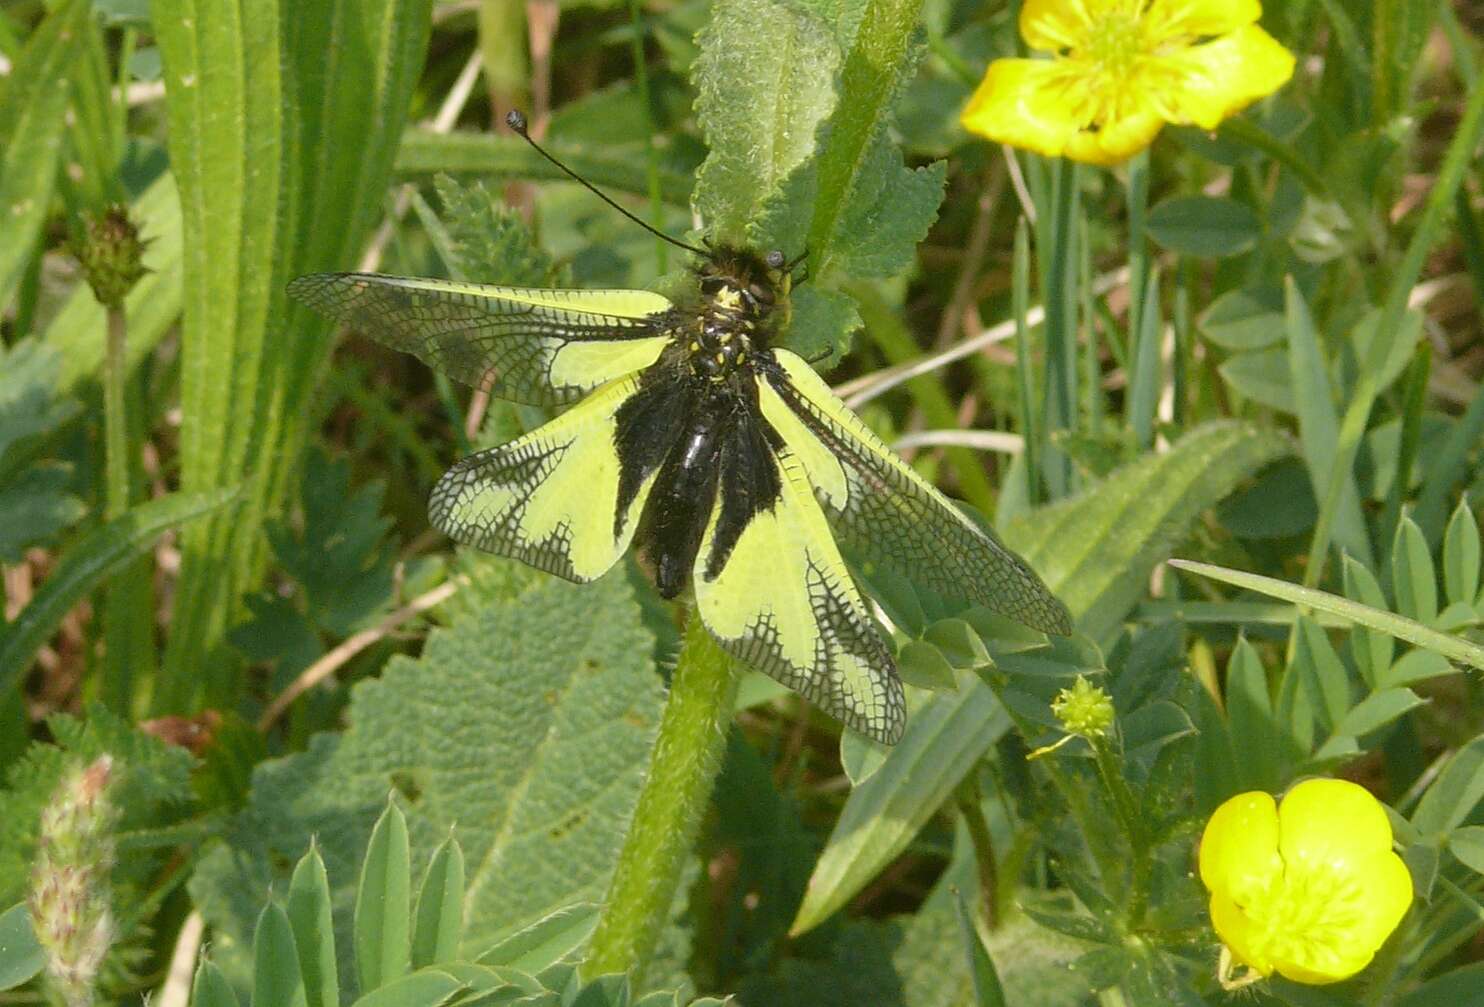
[1239, 849]
[1174, 18]
[1052, 25]
[1022, 102]
[1238, 933]
[1331, 824]
[1116, 141]
[1211, 81]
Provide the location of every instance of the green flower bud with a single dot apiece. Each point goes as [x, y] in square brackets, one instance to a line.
[111, 255]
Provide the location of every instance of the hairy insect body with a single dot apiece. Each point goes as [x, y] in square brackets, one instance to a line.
[719, 442]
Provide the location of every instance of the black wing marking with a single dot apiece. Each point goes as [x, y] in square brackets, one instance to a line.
[552, 498]
[883, 508]
[542, 347]
[777, 595]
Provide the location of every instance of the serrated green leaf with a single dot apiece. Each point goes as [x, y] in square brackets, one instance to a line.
[544, 710]
[1096, 550]
[1453, 795]
[490, 241]
[1413, 577]
[314, 932]
[88, 563]
[276, 978]
[943, 739]
[1244, 319]
[889, 211]
[777, 62]
[33, 106]
[1461, 555]
[35, 508]
[439, 921]
[1206, 226]
[210, 988]
[821, 324]
[1402, 628]
[21, 957]
[31, 403]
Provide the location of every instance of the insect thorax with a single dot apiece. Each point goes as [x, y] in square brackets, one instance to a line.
[734, 320]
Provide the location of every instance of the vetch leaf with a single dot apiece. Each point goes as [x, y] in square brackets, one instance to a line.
[428, 988]
[439, 922]
[1454, 794]
[276, 978]
[1206, 226]
[314, 933]
[1377, 710]
[1372, 650]
[1244, 319]
[1413, 577]
[1321, 672]
[1467, 844]
[1263, 376]
[545, 942]
[210, 988]
[1461, 555]
[1257, 740]
[383, 903]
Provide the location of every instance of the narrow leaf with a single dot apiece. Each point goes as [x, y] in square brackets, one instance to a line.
[1413, 576]
[276, 978]
[1400, 627]
[314, 931]
[439, 923]
[428, 988]
[87, 564]
[1461, 555]
[1454, 794]
[987, 990]
[1372, 650]
[33, 107]
[384, 903]
[943, 740]
[545, 942]
[210, 988]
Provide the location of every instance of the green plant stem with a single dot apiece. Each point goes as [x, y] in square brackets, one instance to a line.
[1059, 402]
[115, 417]
[984, 858]
[1352, 428]
[687, 756]
[1127, 810]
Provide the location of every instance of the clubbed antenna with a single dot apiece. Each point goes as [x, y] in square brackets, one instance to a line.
[516, 120]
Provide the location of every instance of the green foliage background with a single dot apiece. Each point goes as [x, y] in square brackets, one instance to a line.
[1258, 349]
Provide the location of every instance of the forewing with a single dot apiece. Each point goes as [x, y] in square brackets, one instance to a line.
[782, 601]
[889, 513]
[552, 498]
[543, 347]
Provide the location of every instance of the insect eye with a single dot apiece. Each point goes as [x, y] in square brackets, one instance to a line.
[775, 259]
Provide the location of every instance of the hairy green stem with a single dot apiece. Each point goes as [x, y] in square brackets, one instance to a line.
[984, 857]
[1127, 810]
[687, 756]
[115, 418]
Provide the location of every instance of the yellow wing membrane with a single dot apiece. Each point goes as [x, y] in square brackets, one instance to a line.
[784, 603]
[881, 507]
[550, 498]
[542, 347]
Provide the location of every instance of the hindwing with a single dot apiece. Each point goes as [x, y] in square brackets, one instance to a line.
[773, 589]
[542, 347]
[556, 498]
[882, 508]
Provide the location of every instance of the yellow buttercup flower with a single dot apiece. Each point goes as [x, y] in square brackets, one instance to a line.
[1121, 69]
[1309, 888]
